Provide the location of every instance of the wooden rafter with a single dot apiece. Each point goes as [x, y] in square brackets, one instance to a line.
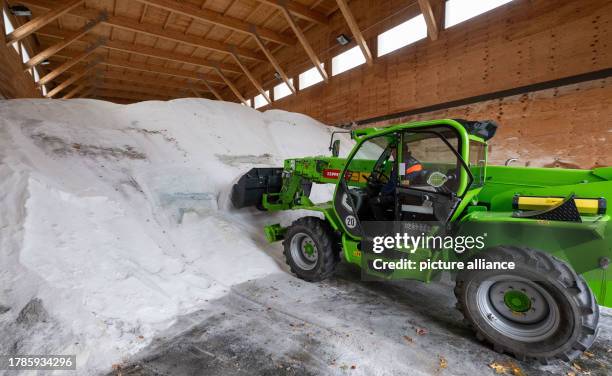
[38, 22]
[302, 38]
[158, 81]
[108, 93]
[231, 86]
[143, 67]
[298, 10]
[251, 78]
[69, 39]
[71, 80]
[219, 19]
[146, 51]
[69, 64]
[274, 62]
[433, 12]
[142, 88]
[352, 24]
[75, 91]
[212, 90]
[195, 92]
[158, 31]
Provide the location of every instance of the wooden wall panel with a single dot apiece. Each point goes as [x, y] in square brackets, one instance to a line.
[567, 126]
[14, 82]
[521, 43]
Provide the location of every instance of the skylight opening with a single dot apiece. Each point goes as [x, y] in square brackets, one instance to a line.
[310, 77]
[347, 60]
[402, 35]
[458, 11]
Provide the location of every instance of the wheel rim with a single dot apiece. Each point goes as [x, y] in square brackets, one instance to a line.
[518, 308]
[304, 251]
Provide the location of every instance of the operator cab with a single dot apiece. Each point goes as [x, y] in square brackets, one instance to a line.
[414, 174]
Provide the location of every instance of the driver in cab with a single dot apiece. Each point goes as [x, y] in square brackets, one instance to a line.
[386, 198]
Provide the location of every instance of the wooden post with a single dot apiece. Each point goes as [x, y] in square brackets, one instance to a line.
[352, 24]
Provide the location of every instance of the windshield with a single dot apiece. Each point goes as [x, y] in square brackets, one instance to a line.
[478, 158]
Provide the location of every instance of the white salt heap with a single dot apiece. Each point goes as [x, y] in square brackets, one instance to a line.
[115, 219]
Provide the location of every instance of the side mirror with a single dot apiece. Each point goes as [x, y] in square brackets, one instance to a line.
[335, 149]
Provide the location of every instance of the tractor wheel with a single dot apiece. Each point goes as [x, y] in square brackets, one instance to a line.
[309, 249]
[540, 310]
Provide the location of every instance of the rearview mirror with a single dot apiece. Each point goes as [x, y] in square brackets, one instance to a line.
[335, 149]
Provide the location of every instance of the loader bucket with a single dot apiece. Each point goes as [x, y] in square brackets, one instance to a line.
[251, 187]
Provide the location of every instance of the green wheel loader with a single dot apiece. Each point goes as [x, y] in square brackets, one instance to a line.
[548, 230]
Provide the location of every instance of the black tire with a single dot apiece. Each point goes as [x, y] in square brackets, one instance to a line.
[317, 232]
[567, 329]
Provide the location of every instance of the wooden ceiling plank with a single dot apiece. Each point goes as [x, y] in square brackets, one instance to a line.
[68, 64]
[231, 86]
[298, 10]
[140, 49]
[158, 31]
[75, 91]
[70, 81]
[354, 27]
[195, 92]
[252, 78]
[302, 38]
[274, 62]
[69, 39]
[143, 89]
[219, 19]
[160, 82]
[155, 69]
[107, 93]
[86, 92]
[38, 22]
[433, 12]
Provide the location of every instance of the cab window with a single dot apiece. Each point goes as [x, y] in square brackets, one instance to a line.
[427, 162]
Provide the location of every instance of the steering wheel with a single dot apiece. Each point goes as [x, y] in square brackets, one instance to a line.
[374, 179]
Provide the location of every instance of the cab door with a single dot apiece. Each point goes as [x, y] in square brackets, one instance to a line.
[432, 175]
[354, 187]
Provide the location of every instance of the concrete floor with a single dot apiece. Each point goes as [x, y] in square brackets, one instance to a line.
[281, 325]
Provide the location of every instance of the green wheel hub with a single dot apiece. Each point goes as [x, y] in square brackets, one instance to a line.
[517, 301]
[309, 249]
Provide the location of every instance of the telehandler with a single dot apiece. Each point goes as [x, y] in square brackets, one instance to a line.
[552, 225]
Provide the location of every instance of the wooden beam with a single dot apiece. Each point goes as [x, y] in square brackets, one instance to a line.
[433, 12]
[352, 24]
[299, 10]
[231, 86]
[38, 22]
[158, 31]
[251, 78]
[87, 92]
[182, 73]
[302, 38]
[218, 19]
[195, 92]
[68, 64]
[168, 55]
[128, 95]
[212, 90]
[70, 81]
[274, 62]
[139, 49]
[70, 38]
[157, 81]
[75, 91]
[143, 88]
